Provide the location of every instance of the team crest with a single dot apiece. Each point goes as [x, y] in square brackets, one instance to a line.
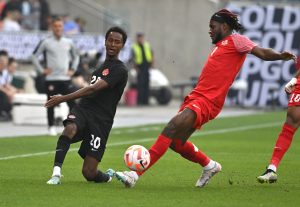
[105, 72]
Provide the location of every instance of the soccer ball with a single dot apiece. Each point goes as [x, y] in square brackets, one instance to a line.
[137, 158]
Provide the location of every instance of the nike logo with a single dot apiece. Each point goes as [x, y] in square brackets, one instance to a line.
[58, 150]
[94, 150]
[141, 162]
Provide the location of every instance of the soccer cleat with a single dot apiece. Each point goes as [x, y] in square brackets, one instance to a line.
[269, 176]
[55, 180]
[129, 178]
[111, 173]
[207, 175]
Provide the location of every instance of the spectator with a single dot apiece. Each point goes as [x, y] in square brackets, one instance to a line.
[81, 23]
[5, 104]
[44, 15]
[12, 5]
[142, 55]
[2, 5]
[70, 26]
[10, 23]
[31, 12]
[17, 83]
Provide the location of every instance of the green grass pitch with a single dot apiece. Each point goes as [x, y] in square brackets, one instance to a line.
[243, 145]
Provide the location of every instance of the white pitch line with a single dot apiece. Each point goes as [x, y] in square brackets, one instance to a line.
[238, 129]
[211, 132]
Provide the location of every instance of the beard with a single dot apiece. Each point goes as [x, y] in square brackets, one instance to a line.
[218, 38]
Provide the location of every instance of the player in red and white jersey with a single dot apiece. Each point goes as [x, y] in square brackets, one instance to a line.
[206, 100]
[226, 59]
[288, 130]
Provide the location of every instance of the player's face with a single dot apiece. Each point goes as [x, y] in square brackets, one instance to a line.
[114, 43]
[58, 28]
[215, 31]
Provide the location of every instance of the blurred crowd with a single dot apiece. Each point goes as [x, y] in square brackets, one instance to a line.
[18, 15]
[9, 84]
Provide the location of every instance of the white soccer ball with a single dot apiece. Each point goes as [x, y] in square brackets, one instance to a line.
[137, 158]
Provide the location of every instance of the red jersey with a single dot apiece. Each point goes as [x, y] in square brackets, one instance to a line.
[221, 68]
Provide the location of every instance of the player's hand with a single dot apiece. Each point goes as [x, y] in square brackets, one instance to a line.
[54, 100]
[288, 56]
[289, 87]
[70, 72]
[47, 71]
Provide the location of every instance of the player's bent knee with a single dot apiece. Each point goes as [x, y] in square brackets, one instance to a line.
[70, 130]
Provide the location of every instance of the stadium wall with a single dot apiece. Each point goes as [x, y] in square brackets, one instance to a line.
[177, 29]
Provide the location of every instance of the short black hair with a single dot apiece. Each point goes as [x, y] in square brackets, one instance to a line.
[118, 30]
[3, 53]
[140, 34]
[11, 60]
[56, 19]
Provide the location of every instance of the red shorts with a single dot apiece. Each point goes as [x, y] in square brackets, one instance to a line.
[204, 110]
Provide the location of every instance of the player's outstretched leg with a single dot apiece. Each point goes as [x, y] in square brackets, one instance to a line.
[129, 178]
[269, 176]
[208, 173]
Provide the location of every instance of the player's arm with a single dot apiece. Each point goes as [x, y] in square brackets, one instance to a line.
[289, 87]
[57, 99]
[269, 54]
[40, 48]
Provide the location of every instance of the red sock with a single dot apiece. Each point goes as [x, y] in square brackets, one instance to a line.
[282, 144]
[157, 150]
[190, 152]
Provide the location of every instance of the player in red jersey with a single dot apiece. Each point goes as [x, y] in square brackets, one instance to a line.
[289, 128]
[206, 100]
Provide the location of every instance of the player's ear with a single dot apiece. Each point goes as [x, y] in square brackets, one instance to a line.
[226, 27]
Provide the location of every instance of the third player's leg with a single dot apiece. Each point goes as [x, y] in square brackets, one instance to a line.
[293, 116]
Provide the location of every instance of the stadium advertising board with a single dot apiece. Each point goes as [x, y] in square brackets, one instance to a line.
[20, 45]
[276, 27]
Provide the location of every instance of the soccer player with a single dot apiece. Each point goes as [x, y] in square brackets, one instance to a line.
[286, 135]
[206, 100]
[91, 120]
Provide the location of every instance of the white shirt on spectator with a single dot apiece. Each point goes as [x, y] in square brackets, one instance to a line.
[11, 26]
[4, 77]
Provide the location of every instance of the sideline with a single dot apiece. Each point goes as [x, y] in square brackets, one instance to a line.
[211, 132]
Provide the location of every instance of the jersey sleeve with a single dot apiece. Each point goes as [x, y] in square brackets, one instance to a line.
[40, 48]
[243, 44]
[116, 75]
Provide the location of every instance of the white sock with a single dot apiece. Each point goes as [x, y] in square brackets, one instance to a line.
[272, 167]
[210, 165]
[56, 171]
